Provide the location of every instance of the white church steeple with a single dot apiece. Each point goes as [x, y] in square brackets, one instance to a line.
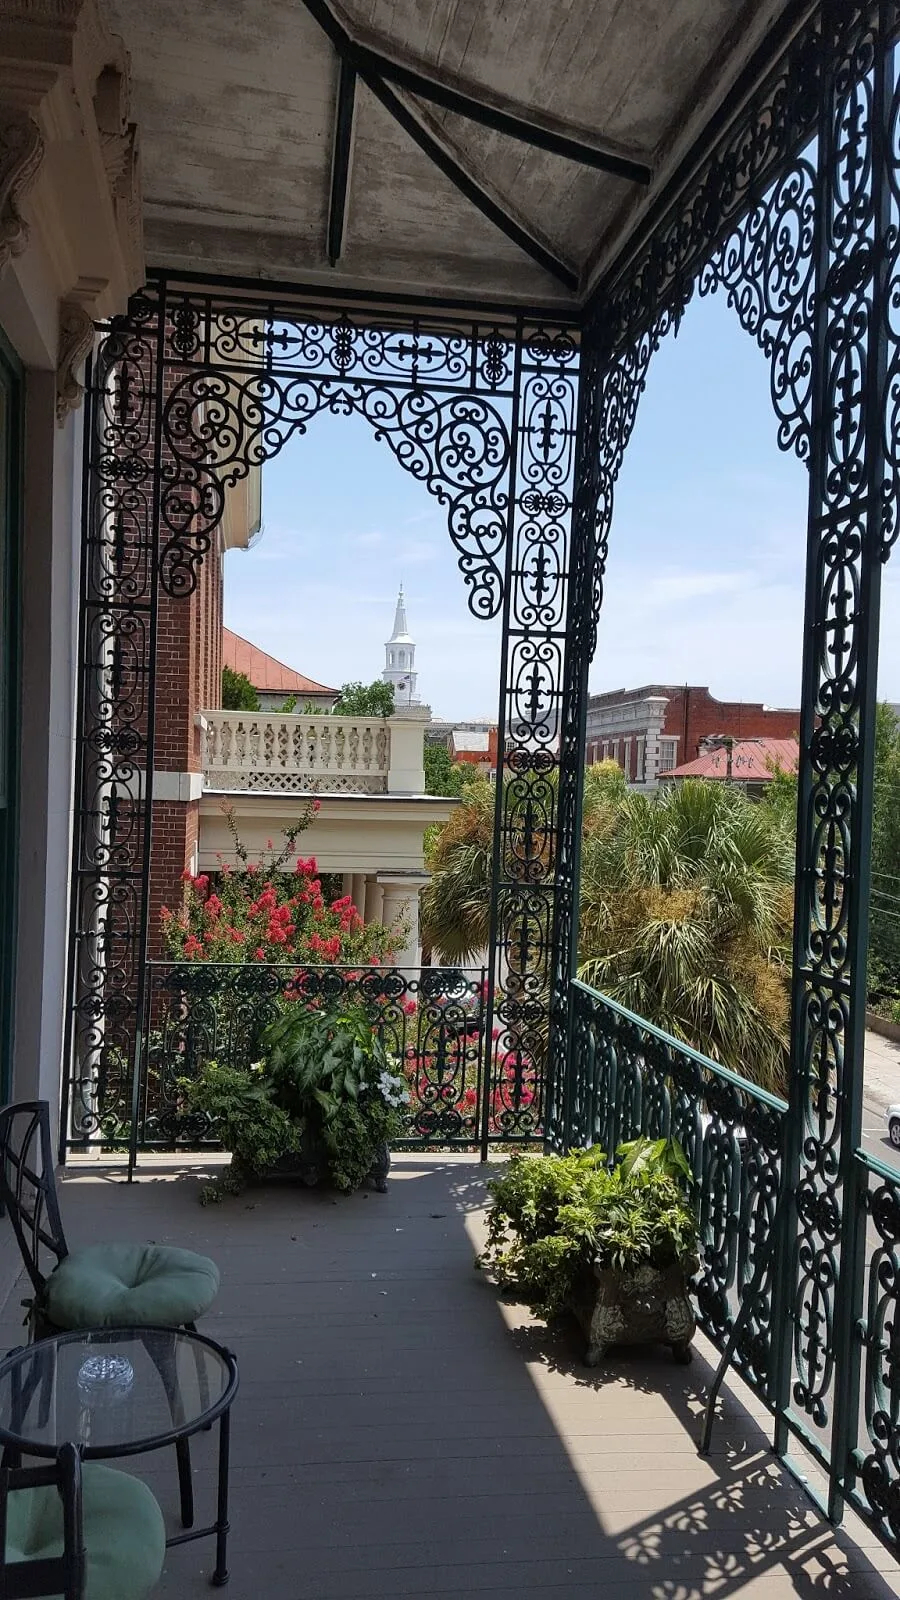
[400, 659]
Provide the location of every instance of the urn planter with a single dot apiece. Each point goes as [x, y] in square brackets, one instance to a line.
[644, 1305]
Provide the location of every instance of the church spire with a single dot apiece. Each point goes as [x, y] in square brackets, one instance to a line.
[400, 629]
[400, 658]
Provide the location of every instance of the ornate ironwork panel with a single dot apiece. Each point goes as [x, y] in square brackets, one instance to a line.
[199, 1011]
[192, 390]
[628, 1079]
[536, 648]
[874, 1476]
[115, 719]
[796, 216]
[848, 481]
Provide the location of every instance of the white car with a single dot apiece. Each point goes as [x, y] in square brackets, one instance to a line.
[893, 1121]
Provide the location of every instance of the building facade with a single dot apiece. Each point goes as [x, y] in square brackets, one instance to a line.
[652, 730]
[476, 747]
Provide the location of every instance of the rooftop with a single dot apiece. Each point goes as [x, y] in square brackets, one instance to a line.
[401, 1431]
[264, 671]
[752, 761]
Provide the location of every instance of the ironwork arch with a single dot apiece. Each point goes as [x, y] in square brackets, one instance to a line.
[190, 391]
[795, 215]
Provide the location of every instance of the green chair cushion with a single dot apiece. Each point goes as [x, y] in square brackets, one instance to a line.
[124, 1532]
[130, 1285]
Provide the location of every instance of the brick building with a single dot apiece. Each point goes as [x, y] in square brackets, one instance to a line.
[477, 748]
[189, 678]
[652, 730]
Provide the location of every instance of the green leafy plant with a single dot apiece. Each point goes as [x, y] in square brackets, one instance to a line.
[238, 693]
[554, 1217]
[325, 1086]
[365, 700]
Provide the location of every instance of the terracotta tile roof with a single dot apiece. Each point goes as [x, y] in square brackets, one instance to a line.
[264, 672]
[751, 761]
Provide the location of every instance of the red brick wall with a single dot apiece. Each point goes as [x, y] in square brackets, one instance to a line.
[176, 830]
[693, 714]
[188, 680]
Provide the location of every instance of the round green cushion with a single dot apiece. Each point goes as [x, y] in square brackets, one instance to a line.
[124, 1533]
[130, 1285]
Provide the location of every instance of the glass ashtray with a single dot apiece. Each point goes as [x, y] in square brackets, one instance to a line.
[105, 1380]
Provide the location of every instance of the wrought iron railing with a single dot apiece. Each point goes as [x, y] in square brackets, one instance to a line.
[432, 1021]
[627, 1078]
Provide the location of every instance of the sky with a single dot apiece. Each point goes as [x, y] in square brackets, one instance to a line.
[705, 572]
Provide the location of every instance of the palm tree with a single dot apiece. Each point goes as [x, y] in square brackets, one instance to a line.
[685, 917]
[686, 906]
[456, 903]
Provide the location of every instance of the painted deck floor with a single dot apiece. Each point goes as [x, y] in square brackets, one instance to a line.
[400, 1432]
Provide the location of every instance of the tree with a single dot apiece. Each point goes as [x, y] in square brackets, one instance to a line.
[685, 916]
[686, 910]
[365, 700]
[238, 693]
[456, 903]
[272, 910]
[884, 922]
[443, 776]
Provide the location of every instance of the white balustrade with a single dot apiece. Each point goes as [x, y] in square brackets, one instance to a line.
[282, 753]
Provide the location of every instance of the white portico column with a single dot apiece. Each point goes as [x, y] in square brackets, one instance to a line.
[374, 907]
[401, 902]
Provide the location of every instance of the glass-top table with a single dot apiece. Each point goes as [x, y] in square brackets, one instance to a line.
[121, 1392]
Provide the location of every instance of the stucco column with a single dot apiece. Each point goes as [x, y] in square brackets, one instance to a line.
[406, 772]
[656, 711]
[358, 892]
[401, 902]
[374, 905]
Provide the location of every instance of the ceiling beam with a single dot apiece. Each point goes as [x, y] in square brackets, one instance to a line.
[526, 124]
[340, 159]
[438, 148]
[434, 142]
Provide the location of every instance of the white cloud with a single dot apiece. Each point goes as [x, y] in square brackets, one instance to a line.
[668, 587]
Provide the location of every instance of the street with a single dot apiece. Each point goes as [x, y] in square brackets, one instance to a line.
[881, 1088]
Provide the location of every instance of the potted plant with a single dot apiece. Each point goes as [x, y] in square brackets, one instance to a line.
[323, 1104]
[615, 1245]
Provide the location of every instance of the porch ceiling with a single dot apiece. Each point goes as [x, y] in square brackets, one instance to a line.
[243, 133]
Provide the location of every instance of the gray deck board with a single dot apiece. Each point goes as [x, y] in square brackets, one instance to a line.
[401, 1432]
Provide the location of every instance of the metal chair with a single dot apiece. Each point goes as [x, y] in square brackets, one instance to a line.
[62, 1279]
[108, 1525]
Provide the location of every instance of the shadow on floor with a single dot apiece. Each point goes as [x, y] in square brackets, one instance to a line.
[401, 1431]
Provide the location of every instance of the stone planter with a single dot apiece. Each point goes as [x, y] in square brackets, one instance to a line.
[647, 1306]
[309, 1166]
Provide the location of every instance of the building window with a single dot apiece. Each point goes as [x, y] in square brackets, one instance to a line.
[667, 749]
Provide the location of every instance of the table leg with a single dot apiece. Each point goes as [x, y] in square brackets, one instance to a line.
[220, 1576]
[185, 1482]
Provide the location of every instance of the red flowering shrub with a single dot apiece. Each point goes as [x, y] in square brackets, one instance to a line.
[272, 910]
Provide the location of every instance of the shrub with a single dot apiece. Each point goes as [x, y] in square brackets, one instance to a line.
[553, 1217]
[325, 1084]
[273, 910]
